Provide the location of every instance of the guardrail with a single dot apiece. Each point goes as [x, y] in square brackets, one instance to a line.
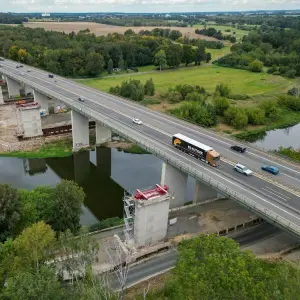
[142, 141]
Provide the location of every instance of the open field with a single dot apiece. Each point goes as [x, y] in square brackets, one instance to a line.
[208, 76]
[103, 29]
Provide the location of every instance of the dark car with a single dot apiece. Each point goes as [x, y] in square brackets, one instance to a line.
[238, 149]
[80, 99]
[19, 66]
[51, 75]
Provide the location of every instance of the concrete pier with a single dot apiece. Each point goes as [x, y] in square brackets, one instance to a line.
[28, 90]
[43, 100]
[80, 130]
[203, 192]
[103, 160]
[176, 180]
[13, 87]
[103, 134]
[1, 96]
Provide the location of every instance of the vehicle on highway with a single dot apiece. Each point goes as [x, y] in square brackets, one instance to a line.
[196, 149]
[271, 169]
[137, 121]
[19, 66]
[242, 169]
[28, 70]
[81, 99]
[50, 75]
[1, 59]
[21, 73]
[238, 148]
[1, 66]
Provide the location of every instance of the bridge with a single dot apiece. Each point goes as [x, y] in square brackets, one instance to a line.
[276, 199]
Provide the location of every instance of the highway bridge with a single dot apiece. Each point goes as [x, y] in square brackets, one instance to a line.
[277, 199]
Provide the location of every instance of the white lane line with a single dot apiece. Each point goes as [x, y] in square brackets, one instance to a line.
[91, 90]
[291, 177]
[267, 187]
[284, 199]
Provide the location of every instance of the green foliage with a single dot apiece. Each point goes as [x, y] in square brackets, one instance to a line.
[184, 89]
[149, 87]
[256, 66]
[94, 63]
[132, 89]
[110, 66]
[106, 223]
[236, 117]
[271, 109]
[160, 59]
[42, 285]
[238, 97]
[172, 96]
[212, 267]
[194, 96]
[256, 116]
[200, 54]
[9, 211]
[187, 54]
[221, 104]
[290, 152]
[198, 113]
[68, 200]
[173, 55]
[223, 90]
[290, 102]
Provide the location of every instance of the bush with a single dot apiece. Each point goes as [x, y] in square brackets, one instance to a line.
[149, 87]
[194, 97]
[236, 117]
[132, 89]
[204, 115]
[173, 97]
[223, 90]
[290, 102]
[238, 97]
[256, 115]
[221, 104]
[291, 73]
[184, 89]
[256, 66]
[271, 109]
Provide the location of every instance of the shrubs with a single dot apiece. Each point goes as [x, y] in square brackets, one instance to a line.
[222, 90]
[256, 115]
[238, 97]
[290, 102]
[221, 104]
[236, 117]
[204, 115]
[256, 66]
[149, 87]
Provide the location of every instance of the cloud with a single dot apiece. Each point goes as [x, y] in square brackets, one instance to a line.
[144, 5]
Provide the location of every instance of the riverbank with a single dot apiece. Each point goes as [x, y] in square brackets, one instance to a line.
[290, 153]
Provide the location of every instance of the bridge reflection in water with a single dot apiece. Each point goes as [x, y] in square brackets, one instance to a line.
[103, 194]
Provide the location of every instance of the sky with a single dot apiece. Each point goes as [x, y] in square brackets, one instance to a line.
[157, 6]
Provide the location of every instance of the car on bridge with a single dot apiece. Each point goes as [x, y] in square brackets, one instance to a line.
[238, 149]
[242, 169]
[50, 75]
[271, 169]
[19, 66]
[137, 121]
[81, 99]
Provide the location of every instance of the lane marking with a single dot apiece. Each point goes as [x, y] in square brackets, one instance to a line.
[291, 177]
[274, 191]
[148, 111]
[275, 194]
[193, 162]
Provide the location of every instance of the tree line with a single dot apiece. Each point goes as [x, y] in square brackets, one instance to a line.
[217, 34]
[12, 19]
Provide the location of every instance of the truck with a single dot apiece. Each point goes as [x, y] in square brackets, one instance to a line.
[196, 149]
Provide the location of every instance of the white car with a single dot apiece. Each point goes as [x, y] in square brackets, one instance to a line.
[28, 70]
[242, 169]
[137, 121]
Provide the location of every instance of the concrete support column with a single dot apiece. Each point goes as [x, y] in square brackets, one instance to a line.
[1, 96]
[80, 130]
[13, 87]
[204, 192]
[176, 180]
[42, 99]
[28, 89]
[103, 134]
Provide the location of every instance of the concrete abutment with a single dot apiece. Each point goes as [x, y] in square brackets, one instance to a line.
[13, 87]
[103, 134]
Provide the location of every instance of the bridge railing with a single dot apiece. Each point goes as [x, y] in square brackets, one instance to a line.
[143, 141]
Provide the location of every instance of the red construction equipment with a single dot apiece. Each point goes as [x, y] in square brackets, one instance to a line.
[152, 193]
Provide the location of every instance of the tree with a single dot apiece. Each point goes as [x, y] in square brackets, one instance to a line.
[256, 115]
[194, 96]
[94, 63]
[187, 55]
[121, 62]
[211, 267]
[129, 32]
[222, 90]
[200, 54]
[271, 109]
[256, 66]
[22, 55]
[110, 66]
[68, 201]
[208, 57]
[236, 117]
[9, 211]
[160, 59]
[221, 104]
[173, 54]
[33, 247]
[43, 285]
[149, 87]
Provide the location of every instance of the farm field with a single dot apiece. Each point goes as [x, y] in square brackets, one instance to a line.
[103, 29]
[208, 76]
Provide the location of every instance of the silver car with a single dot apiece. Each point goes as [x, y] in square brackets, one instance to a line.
[242, 169]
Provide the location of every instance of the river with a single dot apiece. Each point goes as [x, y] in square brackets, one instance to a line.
[104, 175]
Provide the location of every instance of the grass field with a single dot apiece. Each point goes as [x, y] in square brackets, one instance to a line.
[208, 76]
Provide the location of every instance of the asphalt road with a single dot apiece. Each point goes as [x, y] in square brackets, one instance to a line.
[167, 260]
[274, 193]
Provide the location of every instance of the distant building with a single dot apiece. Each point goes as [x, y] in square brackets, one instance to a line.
[45, 14]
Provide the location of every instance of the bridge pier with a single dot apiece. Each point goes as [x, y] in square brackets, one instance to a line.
[42, 99]
[176, 180]
[80, 130]
[204, 192]
[1, 96]
[13, 87]
[103, 134]
[81, 161]
[28, 90]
